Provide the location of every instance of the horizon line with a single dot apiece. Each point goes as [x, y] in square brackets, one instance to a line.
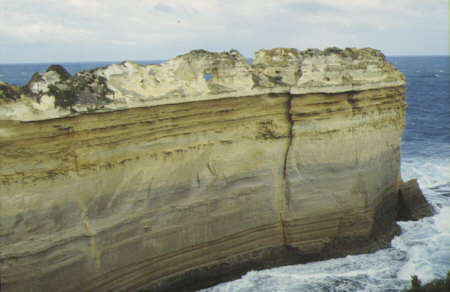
[157, 60]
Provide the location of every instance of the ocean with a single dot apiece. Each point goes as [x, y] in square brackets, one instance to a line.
[423, 248]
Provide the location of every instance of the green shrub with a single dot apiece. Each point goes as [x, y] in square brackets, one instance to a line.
[438, 285]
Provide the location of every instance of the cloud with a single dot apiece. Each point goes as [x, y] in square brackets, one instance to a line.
[162, 8]
[311, 7]
[155, 29]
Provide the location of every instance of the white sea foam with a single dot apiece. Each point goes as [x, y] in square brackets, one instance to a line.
[352, 273]
[427, 243]
[433, 175]
[430, 172]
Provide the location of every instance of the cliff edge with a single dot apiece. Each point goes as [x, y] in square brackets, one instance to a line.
[179, 175]
[197, 76]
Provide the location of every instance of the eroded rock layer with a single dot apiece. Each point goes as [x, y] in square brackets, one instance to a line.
[291, 158]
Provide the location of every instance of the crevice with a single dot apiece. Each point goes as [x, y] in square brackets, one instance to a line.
[291, 128]
[284, 197]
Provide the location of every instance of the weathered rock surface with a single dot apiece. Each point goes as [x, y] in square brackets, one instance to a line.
[412, 204]
[147, 177]
[198, 76]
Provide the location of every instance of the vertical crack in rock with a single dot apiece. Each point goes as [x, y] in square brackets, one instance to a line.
[291, 127]
[283, 200]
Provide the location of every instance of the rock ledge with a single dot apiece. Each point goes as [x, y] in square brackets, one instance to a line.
[198, 75]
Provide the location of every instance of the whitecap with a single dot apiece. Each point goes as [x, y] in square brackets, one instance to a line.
[429, 171]
[427, 243]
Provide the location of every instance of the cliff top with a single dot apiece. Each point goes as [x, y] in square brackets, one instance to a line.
[195, 76]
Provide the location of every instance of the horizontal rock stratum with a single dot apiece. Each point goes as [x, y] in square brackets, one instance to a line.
[179, 175]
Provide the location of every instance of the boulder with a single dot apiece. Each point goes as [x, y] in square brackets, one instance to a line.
[412, 203]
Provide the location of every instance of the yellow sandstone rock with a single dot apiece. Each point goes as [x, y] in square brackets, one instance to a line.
[185, 173]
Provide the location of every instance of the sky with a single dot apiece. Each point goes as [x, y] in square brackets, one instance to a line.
[117, 30]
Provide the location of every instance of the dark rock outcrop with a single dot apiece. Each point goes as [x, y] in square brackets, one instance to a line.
[412, 203]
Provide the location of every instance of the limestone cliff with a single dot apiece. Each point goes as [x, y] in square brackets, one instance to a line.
[136, 177]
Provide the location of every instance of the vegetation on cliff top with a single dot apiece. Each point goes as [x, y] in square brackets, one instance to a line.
[62, 72]
[9, 91]
[439, 285]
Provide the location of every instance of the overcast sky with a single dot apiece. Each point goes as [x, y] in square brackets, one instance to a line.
[116, 30]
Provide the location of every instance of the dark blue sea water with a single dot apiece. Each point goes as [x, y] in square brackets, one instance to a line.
[20, 73]
[422, 249]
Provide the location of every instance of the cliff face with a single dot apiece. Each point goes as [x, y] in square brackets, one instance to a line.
[143, 177]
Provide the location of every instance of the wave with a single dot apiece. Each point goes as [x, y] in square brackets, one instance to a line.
[367, 272]
[432, 173]
[427, 243]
